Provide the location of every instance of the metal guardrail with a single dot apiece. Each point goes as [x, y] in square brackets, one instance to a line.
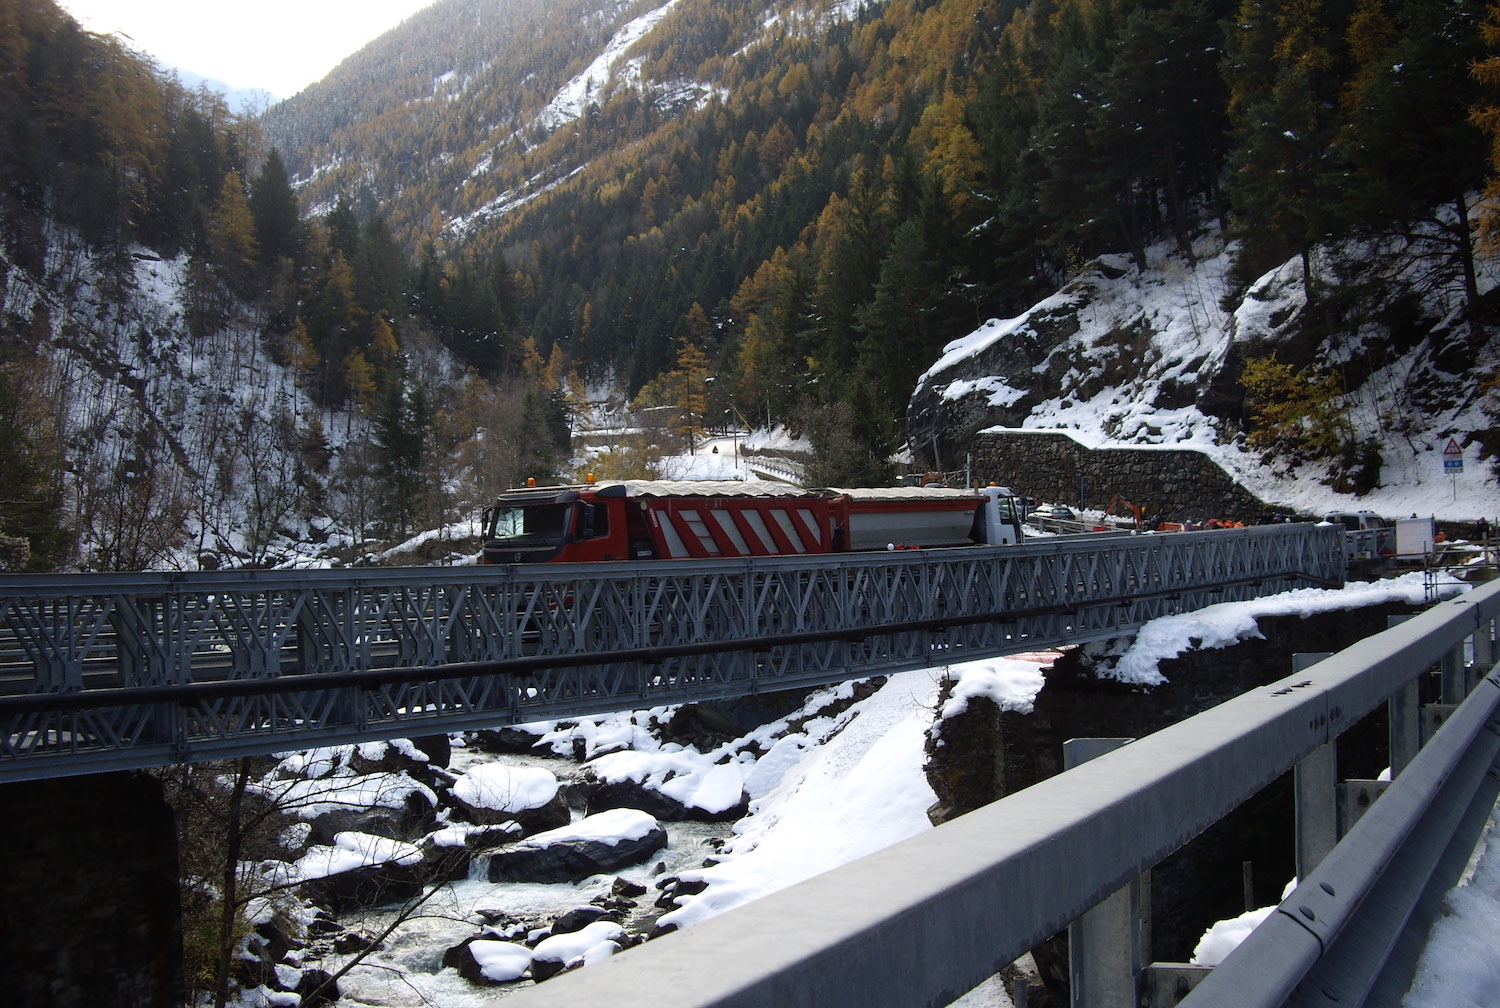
[1369, 544]
[773, 465]
[928, 919]
[1353, 930]
[120, 671]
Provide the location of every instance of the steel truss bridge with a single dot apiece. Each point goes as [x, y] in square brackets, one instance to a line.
[109, 672]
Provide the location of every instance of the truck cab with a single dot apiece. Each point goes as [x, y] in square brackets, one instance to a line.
[541, 524]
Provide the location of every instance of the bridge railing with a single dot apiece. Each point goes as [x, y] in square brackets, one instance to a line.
[111, 671]
[926, 920]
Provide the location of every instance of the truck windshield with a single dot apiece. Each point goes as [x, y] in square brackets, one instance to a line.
[533, 525]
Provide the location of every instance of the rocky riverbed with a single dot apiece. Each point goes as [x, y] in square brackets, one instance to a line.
[449, 870]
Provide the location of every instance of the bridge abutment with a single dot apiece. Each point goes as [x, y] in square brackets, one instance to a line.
[89, 889]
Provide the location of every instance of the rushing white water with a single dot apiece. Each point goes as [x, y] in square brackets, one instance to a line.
[407, 970]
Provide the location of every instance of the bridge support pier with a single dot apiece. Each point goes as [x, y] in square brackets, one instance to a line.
[89, 887]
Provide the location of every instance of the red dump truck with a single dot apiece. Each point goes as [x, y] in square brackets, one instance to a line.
[666, 519]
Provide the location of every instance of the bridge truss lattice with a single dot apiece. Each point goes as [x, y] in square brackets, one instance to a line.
[101, 672]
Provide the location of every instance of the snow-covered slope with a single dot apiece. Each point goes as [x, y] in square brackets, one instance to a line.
[187, 442]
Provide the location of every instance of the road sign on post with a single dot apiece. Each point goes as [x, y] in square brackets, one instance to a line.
[1453, 458]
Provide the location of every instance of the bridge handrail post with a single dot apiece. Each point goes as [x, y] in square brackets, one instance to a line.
[1454, 675]
[1404, 716]
[1315, 789]
[352, 708]
[141, 648]
[305, 638]
[1109, 945]
[137, 625]
[1484, 650]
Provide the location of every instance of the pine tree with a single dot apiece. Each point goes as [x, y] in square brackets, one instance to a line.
[897, 323]
[382, 273]
[402, 433]
[1090, 161]
[343, 229]
[852, 232]
[1408, 138]
[853, 441]
[302, 356]
[278, 224]
[360, 379]
[683, 390]
[543, 436]
[1166, 91]
[699, 329]
[1286, 181]
[332, 317]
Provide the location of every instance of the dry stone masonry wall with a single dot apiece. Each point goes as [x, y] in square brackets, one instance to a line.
[1173, 484]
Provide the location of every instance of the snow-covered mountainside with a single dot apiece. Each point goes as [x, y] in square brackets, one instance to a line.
[534, 69]
[1125, 357]
[187, 443]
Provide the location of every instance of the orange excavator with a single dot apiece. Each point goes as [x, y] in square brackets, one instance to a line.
[1119, 505]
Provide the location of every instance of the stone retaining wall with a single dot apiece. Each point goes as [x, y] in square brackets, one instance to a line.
[1174, 484]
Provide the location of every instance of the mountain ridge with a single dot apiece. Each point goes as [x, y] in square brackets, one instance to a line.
[847, 188]
[798, 250]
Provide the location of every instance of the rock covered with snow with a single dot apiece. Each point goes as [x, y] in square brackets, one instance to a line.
[594, 845]
[1123, 357]
[508, 739]
[590, 944]
[1113, 361]
[495, 793]
[491, 961]
[360, 869]
[966, 744]
[379, 788]
[495, 958]
[414, 756]
[670, 785]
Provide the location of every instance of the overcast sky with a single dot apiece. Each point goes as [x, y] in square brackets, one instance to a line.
[280, 46]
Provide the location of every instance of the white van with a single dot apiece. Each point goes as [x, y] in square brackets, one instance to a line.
[1368, 535]
[1357, 521]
